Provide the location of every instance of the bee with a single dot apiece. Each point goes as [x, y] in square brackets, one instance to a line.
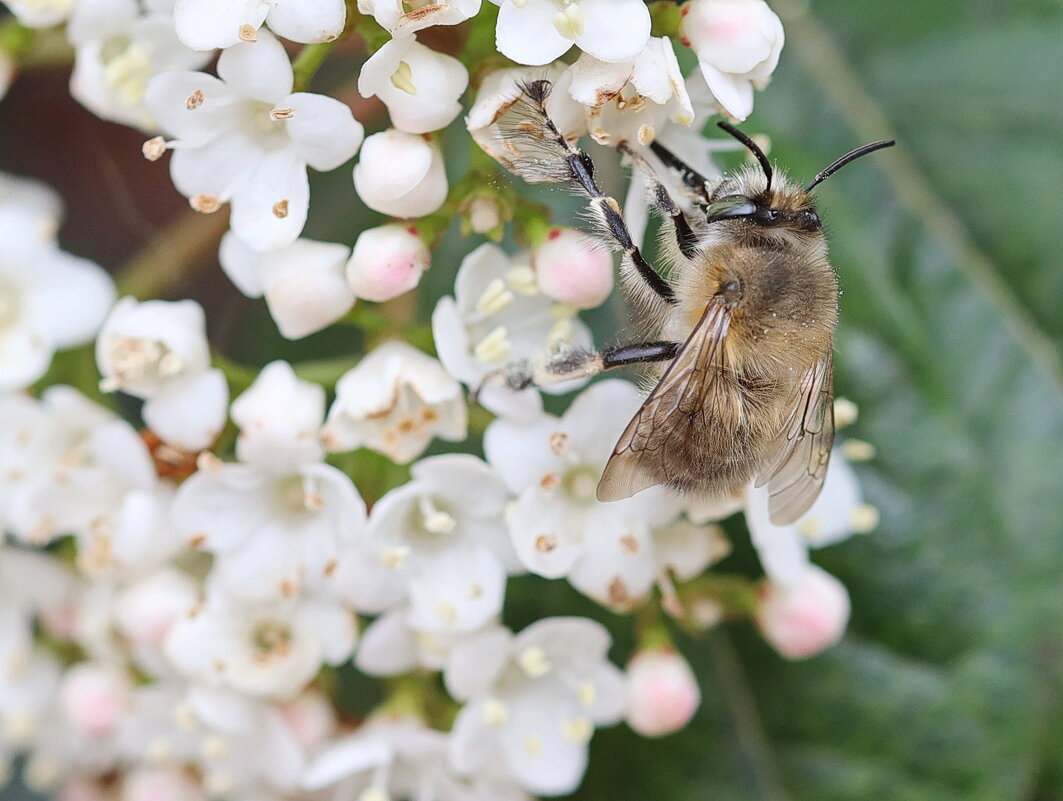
[744, 321]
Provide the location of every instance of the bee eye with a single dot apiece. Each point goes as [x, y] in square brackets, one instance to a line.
[810, 218]
[768, 216]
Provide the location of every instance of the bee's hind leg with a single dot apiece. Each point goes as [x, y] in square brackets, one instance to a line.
[566, 365]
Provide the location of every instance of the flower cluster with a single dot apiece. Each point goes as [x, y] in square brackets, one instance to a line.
[195, 555]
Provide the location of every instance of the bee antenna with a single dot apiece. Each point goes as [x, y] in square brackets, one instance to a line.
[852, 155]
[753, 148]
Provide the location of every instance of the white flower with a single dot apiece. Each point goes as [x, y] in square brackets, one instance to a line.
[246, 138]
[738, 44]
[501, 89]
[498, 315]
[403, 18]
[393, 756]
[159, 784]
[303, 283]
[49, 300]
[387, 261]
[40, 13]
[401, 174]
[119, 49]
[442, 535]
[207, 24]
[263, 650]
[395, 401]
[279, 417]
[145, 610]
[572, 268]
[632, 101]
[536, 32]
[559, 528]
[836, 514]
[801, 619]
[533, 701]
[157, 350]
[662, 692]
[391, 646]
[272, 531]
[420, 87]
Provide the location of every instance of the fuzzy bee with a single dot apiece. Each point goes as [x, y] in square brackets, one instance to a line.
[745, 323]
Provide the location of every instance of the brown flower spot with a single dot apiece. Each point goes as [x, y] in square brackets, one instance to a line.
[549, 481]
[280, 209]
[195, 100]
[197, 540]
[205, 204]
[154, 148]
[545, 543]
[247, 33]
[629, 544]
[558, 442]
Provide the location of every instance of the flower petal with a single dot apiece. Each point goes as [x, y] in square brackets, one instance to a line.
[308, 20]
[527, 34]
[259, 70]
[207, 24]
[614, 30]
[269, 208]
[324, 132]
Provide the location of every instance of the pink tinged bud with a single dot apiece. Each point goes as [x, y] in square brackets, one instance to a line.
[662, 692]
[386, 262]
[94, 698]
[573, 269]
[81, 788]
[801, 620]
[311, 718]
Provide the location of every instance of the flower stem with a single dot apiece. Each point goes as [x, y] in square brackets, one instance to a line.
[185, 246]
[306, 64]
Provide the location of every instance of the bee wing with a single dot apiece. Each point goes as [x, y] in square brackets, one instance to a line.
[681, 390]
[795, 471]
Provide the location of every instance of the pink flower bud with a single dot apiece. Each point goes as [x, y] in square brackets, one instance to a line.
[386, 262]
[145, 610]
[662, 692]
[801, 620]
[81, 788]
[311, 719]
[573, 269]
[401, 174]
[93, 698]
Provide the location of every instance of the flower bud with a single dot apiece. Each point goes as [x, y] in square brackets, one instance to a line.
[386, 262]
[310, 717]
[805, 618]
[145, 610]
[94, 698]
[738, 44]
[401, 174]
[662, 692]
[572, 268]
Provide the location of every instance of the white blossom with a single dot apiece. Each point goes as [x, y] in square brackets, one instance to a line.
[303, 283]
[397, 756]
[157, 350]
[738, 43]
[120, 46]
[49, 299]
[262, 649]
[245, 138]
[536, 32]
[40, 13]
[207, 24]
[395, 401]
[837, 513]
[420, 87]
[402, 17]
[499, 315]
[442, 537]
[532, 701]
[401, 174]
[559, 528]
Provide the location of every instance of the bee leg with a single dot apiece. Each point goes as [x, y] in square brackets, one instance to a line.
[580, 176]
[610, 218]
[685, 239]
[694, 181]
[566, 365]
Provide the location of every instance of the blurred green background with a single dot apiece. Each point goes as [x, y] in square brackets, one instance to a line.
[948, 683]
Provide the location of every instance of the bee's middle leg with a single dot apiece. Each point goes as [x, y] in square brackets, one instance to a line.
[571, 364]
